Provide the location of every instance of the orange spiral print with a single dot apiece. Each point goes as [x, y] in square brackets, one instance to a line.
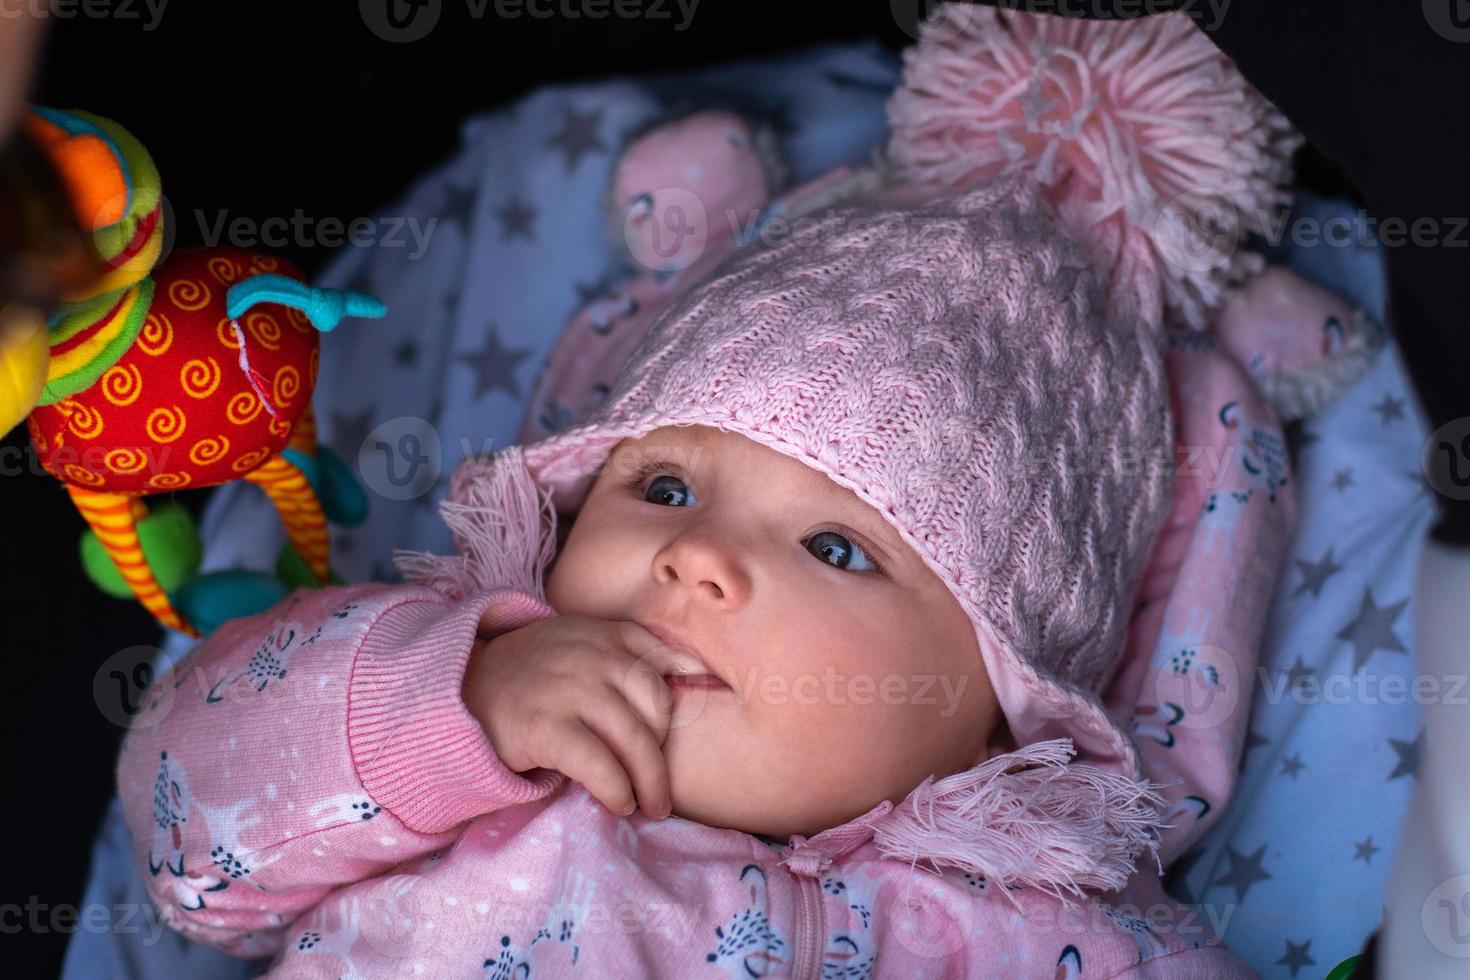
[125, 461]
[286, 386]
[165, 424]
[169, 481]
[242, 408]
[82, 419]
[249, 461]
[224, 332]
[279, 427]
[209, 450]
[264, 263]
[189, 294]
[122, 384]
[157, 335]
[199, 377]
[224, 270]
[264, 329]
[38, 436]
[81, 476]
[298, 320]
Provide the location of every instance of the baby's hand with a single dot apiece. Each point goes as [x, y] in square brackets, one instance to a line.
[583, 696]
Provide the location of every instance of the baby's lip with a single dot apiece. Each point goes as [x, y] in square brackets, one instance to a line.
[671, 639]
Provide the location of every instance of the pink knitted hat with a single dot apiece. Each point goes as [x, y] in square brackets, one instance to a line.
[975, 351]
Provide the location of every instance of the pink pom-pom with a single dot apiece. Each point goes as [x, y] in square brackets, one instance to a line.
[1152, 148]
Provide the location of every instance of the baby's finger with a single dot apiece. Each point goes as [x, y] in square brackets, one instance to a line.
[643, 687]
[636, 748]
[582, 755]
[659, 656]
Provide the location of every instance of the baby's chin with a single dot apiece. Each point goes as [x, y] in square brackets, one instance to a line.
[717, 809]
[719, 782]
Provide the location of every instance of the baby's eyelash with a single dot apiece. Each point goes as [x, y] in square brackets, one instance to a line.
[646, 469]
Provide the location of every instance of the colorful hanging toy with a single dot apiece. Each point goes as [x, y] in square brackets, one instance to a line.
[185, 373]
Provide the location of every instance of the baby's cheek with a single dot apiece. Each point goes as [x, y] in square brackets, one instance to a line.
[857, 728]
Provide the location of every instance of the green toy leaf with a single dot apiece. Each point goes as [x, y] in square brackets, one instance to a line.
[292, 569]
[170, 544]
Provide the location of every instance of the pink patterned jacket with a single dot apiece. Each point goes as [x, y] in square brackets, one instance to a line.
[308, 785]
[318, 791]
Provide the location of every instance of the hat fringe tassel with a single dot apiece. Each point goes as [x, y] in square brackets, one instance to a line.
[1029, 819]
[488, 521]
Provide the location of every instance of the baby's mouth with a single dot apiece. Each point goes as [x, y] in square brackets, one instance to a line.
[692, 673]
[679, 681]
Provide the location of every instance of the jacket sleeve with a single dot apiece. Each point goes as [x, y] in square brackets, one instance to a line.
[318, 743]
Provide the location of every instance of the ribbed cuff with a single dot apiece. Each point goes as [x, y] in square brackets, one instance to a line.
[417, 749]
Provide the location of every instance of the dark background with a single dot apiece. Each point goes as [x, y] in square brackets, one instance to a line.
[261, 108]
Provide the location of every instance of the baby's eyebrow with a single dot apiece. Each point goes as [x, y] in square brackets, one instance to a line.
[862, 516]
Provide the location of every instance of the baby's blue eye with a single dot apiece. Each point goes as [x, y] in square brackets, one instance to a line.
[838, 551]
[660, 491]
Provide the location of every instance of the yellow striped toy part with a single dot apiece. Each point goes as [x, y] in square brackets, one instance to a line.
[114, 517]
[300, 510]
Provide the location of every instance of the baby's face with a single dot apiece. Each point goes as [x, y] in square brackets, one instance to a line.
[846, 685]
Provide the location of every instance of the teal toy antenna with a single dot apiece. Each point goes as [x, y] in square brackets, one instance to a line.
[325, 308]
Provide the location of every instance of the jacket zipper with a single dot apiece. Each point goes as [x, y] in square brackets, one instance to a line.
[811, 930]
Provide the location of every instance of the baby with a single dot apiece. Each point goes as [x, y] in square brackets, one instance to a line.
[827, 588]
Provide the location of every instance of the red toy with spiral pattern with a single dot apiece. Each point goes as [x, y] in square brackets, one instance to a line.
[195, 375]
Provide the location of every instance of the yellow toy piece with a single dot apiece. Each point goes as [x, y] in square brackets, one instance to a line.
[24, 355]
